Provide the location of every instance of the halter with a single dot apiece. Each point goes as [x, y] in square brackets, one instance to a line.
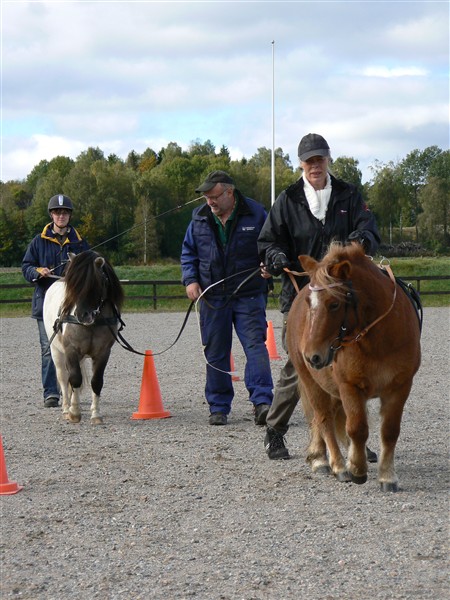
[317, 288]
[102, 301]
[342, 338]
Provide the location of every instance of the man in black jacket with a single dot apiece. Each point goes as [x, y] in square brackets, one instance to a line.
[305, 218]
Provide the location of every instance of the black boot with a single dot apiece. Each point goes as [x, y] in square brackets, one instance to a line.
[274, 444]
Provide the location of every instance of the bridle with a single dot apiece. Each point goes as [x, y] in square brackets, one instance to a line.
[345, 340]
[342, 338]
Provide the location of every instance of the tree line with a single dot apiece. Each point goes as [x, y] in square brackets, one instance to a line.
[136, 210]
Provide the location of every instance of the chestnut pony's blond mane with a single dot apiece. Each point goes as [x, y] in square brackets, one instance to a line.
[336, 254]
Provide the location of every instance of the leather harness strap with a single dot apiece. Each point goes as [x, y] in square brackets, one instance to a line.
[347, 341]
[292, 275]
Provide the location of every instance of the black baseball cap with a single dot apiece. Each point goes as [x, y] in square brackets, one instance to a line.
[212, 179]
[313, 144]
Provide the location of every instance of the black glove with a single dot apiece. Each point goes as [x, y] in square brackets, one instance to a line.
[357, 236]
[279, 263]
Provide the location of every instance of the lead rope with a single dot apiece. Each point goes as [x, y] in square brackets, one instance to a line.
[126, 346]
[292, 275]
[254, 272]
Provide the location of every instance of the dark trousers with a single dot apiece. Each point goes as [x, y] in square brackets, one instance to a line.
[248, 317]
[48, 371]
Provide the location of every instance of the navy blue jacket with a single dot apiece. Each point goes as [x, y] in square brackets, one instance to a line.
[45, 250]
[204, 260]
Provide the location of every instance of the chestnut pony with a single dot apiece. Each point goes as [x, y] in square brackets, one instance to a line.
[353, 334]
[81, 317]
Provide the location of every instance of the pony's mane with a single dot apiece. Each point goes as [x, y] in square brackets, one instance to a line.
[337, 253]
[84, 278]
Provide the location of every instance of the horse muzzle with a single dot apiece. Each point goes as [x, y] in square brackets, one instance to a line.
[86, 318]
[318, 361]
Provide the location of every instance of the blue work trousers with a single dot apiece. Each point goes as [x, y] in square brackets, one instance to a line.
[248, 316]
[48, 371]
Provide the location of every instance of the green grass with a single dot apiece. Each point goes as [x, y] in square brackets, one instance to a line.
[159, 272]
[402, 267]
[407, 267]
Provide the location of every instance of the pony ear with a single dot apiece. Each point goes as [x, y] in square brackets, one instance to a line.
[342, 270]
[99, 262]
[308, 262]
[71, 255]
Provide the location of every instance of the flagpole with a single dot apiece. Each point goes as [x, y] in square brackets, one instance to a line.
[273, 127]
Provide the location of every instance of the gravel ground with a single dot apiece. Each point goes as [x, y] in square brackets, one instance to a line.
[173, 508]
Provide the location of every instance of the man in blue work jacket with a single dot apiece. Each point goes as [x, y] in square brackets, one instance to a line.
[220, 261]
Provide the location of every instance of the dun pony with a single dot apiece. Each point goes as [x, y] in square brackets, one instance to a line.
[81, 316]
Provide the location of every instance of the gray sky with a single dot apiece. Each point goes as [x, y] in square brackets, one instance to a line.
[371, 77]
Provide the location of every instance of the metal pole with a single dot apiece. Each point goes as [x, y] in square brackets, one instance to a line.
[273, 126]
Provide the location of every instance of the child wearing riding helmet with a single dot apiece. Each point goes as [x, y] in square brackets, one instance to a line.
[43, 263]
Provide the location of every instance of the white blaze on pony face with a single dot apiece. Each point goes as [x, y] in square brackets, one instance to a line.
[314, 304]
[314, 299]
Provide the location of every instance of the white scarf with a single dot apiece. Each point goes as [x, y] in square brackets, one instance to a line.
[318, 199]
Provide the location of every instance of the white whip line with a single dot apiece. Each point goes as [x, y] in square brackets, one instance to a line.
[200, 331]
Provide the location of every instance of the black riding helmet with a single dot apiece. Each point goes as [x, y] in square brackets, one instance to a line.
[60, 201]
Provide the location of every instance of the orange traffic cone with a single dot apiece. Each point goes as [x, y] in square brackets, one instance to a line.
[233, 377]
[150, 403]
[6, 486]
[270, 342]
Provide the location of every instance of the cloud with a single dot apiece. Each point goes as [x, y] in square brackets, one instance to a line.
[425, 36]
[394, 72]
[132, 75]
[21, 158]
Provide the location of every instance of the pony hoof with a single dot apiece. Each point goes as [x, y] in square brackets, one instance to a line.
[388, 486]
[343, 477]
[97, 421]
[74, 418]
[359, 479]
[323, 470]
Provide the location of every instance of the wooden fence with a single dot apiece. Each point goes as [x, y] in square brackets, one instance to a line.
[154, 284]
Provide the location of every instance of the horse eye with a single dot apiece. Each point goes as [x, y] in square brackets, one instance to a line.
[334, 306]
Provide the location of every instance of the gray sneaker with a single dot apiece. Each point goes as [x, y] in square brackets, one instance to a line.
[274, 444]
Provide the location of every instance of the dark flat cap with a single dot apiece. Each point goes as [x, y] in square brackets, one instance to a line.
[212, 179]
